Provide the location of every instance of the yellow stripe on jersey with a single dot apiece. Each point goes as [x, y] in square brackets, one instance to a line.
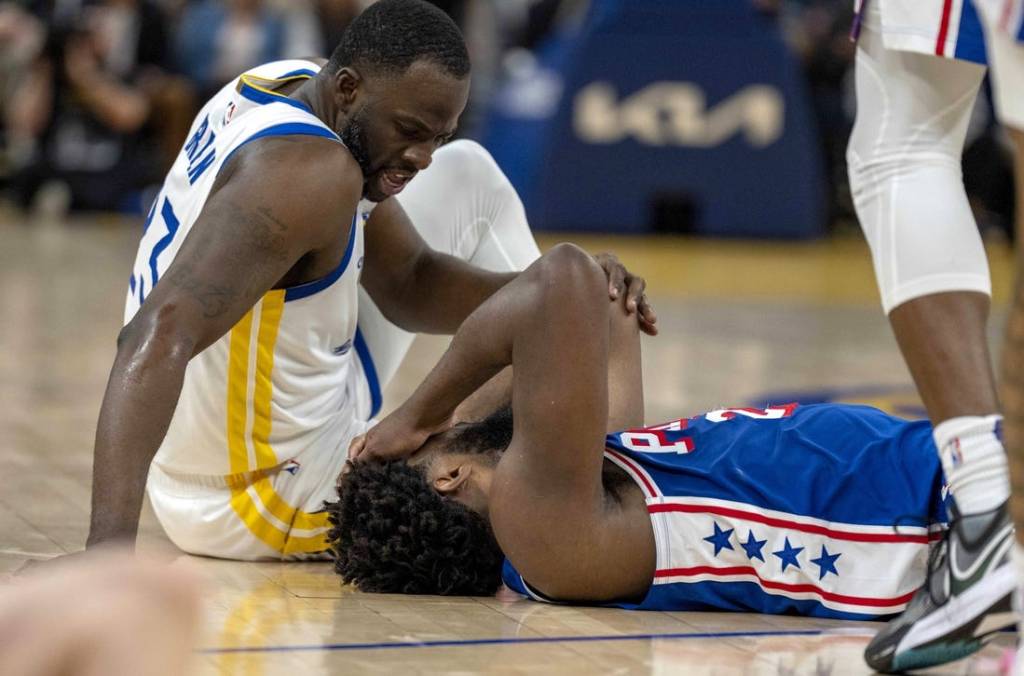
[266, 84]
[266, 530]
[238, 381]
[284, 512]
[270, 319]
[245, 503]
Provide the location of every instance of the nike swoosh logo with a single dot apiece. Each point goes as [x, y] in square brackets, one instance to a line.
[976, 564]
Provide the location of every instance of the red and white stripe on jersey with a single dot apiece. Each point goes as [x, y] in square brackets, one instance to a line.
[636, 472]
[933, 26]
[861, 583]
[924, 26]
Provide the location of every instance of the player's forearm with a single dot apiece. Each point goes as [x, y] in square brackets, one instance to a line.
[512, 321]
[480, 349]
[442, 291]
[141, 396]
[496, 393]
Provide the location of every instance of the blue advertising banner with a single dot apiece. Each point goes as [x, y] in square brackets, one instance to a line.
[663, 115]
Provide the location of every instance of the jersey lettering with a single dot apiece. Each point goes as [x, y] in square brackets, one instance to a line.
[770, 413]
[198, 162]
[658, 439]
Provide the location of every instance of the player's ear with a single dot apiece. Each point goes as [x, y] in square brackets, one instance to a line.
[347, 82]
[453, 478]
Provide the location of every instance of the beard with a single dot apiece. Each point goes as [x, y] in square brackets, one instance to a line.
[354, 138]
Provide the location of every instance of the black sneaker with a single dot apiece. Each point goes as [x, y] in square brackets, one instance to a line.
[964, 600]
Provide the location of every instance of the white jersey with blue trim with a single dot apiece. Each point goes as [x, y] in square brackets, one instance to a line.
[283, 382]
[946, 28]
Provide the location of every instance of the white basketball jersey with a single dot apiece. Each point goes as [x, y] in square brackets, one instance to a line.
[280, 383]
[946, 28]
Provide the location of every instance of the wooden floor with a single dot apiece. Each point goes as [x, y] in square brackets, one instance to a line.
[741, 323]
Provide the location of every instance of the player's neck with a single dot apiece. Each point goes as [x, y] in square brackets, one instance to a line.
[309, 92]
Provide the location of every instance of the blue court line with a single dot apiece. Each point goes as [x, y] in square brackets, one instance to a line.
[498, 641]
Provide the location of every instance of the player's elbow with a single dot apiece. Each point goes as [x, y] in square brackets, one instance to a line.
[155, 336]
[567, 273]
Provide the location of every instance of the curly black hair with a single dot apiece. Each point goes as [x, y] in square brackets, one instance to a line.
[393, 533]
[392, 34]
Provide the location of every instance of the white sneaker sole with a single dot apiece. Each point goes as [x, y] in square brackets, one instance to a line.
[963, 609]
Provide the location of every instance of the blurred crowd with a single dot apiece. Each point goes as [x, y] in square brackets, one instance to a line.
[97, 95]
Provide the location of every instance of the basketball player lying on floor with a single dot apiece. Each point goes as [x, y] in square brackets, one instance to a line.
[789, 509]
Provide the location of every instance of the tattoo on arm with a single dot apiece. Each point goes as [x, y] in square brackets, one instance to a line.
[214, 299]
[259, 232]
[258, 235]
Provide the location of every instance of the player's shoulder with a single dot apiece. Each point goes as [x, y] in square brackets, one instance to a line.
[301, 164]
[310, 182]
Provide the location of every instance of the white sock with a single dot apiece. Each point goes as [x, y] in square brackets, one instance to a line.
[974, 462]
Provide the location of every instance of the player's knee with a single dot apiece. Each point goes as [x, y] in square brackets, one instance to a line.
[470, 164]
[468, 154]
[867, 164]
[860, 177]
[854, 168]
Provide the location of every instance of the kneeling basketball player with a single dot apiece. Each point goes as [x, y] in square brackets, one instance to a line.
[825, 510]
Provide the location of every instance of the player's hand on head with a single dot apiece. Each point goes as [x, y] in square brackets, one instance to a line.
[386, 441]
[623, 283]
[355, 449]
[397, 436]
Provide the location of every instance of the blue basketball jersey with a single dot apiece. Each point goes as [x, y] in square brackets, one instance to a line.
[825, 510]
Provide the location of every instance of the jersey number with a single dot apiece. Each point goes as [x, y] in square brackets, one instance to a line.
[137, 283]
[770, 413]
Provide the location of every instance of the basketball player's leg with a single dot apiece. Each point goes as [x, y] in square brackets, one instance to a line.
[929, 260]
[1011, 380]
[932, 273]
[101, 613]
[1012, 362]
[461, 205]
[1006, 56]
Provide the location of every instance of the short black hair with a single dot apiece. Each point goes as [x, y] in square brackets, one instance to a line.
[392, 34]
[393, 533]
[490, 435]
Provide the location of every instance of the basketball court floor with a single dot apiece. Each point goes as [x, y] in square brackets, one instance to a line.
[742, 323]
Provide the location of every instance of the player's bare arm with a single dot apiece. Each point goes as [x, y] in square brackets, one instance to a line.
[248, 239]
[417, 288]
[425, 291]
[404, 431]
[548, 506]
[551, 325]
